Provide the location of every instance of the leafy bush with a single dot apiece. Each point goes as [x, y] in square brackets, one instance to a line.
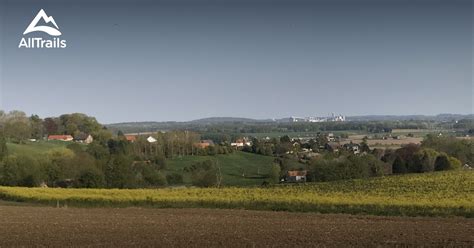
[174, 178]
[90, 178]
[203, 174]
[19, 170]
[460, 149]
[345, 167]
[275, 173]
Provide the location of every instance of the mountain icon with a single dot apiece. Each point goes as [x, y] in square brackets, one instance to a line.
[47, 19]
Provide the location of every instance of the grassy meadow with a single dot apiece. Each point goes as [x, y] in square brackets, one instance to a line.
[430, 194]
[35, 148]
[238, 168]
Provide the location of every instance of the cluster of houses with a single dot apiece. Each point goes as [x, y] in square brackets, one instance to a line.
[240, 143]
[150, 139]
[80, 138]
[132, 138]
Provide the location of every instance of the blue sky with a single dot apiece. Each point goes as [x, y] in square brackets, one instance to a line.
[183, 60]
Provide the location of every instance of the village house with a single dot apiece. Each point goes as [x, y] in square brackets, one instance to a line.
[354, 148]
[61, 137]
[294, 176]
[330, 137]
[204, 144]
[150, 139]
[84, 138]
[130, 138]
[241, 143]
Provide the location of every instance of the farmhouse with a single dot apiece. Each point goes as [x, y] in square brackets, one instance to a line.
[150, 139]
[84, 138]
[204, 143]
[241, 143]
[296, 176]
[131, 138]
[61, 137]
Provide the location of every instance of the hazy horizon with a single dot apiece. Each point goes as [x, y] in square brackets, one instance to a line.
[185, 60]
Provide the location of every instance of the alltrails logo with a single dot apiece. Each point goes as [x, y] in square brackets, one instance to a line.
[38, 42]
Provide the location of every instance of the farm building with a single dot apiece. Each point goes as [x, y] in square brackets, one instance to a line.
[61, 137]
[204, 143]
[241, 143]
[131, 138]
[296, 176]
[84, 138]
[150, 139]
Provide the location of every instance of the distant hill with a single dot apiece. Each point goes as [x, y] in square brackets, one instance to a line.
[213, 120]
[201, 124]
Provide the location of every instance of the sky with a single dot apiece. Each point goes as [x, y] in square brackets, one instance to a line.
[179, 60]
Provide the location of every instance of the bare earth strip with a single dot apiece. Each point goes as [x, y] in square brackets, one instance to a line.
[48, 226]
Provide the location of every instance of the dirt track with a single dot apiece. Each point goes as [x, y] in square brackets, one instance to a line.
[47, 226]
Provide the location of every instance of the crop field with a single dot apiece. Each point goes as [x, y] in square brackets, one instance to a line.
[431, 194]
[39, 226]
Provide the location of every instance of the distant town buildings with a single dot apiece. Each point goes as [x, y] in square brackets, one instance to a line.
[332, 118]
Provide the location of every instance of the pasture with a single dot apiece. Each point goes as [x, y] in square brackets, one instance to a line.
[238, 168]
[35, 148]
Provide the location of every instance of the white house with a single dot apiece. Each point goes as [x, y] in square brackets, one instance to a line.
[151, 139]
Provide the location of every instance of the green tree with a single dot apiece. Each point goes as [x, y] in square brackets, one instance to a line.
[454, 163]
[37, 127]
[90, 177]
[20, 170]
[399, 167]
[3, 147]
[119, 173]
[275, 173]
[204, 174]
[442, 163]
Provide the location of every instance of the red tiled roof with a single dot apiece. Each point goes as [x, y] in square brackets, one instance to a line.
[296, 173]
[131, 137]
[60, 137]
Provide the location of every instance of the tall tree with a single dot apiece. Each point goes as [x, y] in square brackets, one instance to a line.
[3, 147]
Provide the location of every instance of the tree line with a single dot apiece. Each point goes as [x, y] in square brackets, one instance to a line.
[17, 127]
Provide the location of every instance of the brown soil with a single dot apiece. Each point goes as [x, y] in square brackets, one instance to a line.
[47, 226]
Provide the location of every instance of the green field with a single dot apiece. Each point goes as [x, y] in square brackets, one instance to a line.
[35, 148]
[238, 168]
[430, 194]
